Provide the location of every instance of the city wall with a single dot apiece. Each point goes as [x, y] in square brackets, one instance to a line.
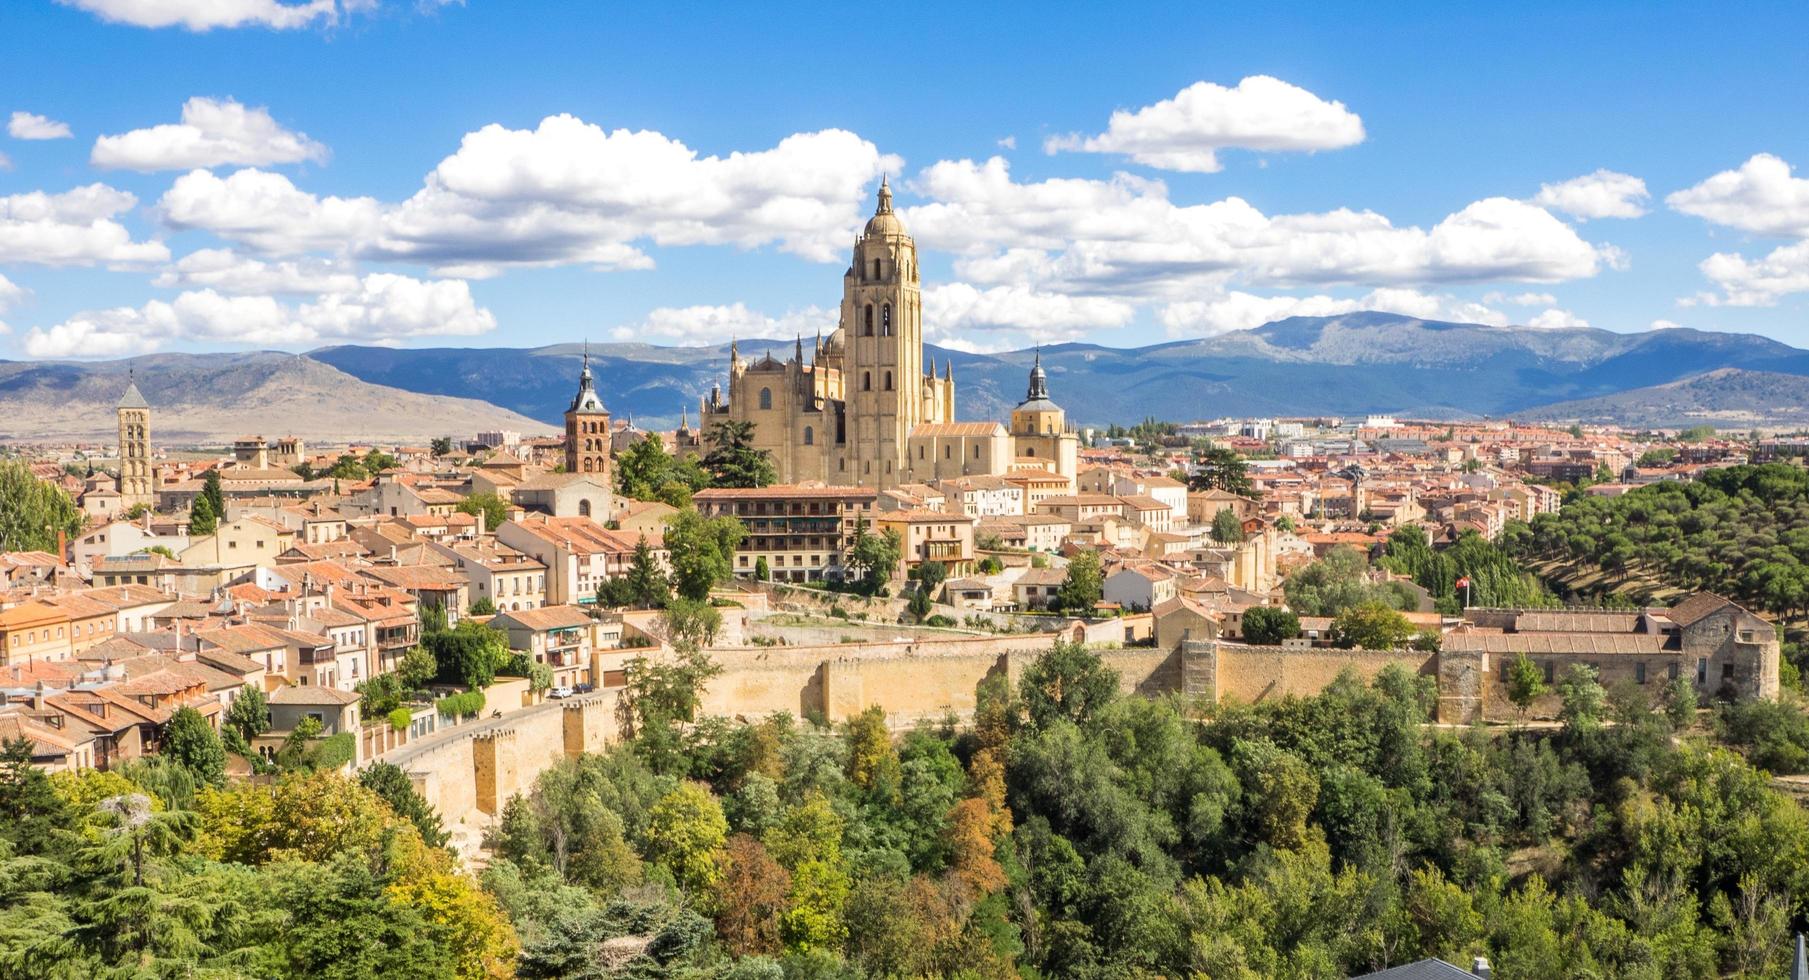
[468, 774]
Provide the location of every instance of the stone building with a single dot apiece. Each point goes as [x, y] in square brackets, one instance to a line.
[587, 435]
[136, 484]
[865, 409]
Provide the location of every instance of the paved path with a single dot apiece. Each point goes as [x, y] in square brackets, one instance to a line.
[403, 755]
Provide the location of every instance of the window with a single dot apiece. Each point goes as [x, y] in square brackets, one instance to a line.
[876, 268]
[766, 398]
[1639, 672]
[1671, 670]
[866, 380]
[583, 508]
[810, 436]
[1550, 669]
[1727, 672]
[948, 452]
[1702, 670]
[867, 324]
[919, 452]
[976, 452]
[888, 381]
[885, 320]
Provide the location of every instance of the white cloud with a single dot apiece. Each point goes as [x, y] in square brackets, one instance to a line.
[75, 227]
[1521, 299]
[267, 212]
[205, 15]
[1665, 325]
[1124, 236]
[11, 294]
[227, 271]
[1008, 142]
[1759, 197]
[1186, 132]
[212, 133]
[1756, 282]
[690, 326]
[1555, 319]
[1603, 194]
[6, 162]
[954, 309]
[569, 191]
[31, 126]
[380, 308]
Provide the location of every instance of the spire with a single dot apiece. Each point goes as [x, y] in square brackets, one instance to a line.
[684, 419]
[1039, 382]
[586, 400]
[885, 198]
[584, 375]
[948, 369]
[798, 349]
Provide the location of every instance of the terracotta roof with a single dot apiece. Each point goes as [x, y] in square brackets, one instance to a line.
[546, 617]
[313, 694]
[1574, 644]
[1696, 607]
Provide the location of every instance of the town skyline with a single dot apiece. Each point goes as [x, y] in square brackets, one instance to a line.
[687, 191]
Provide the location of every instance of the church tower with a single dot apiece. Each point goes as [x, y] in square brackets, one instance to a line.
[587, 430]
[882, 326]
[1040, 429]
[135, 484]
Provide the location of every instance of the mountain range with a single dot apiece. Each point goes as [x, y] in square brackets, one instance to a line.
[1353, 364]
[213, 398]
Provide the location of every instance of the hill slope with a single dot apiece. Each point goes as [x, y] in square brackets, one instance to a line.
[1344, 365]
[216, 397]
[1726, 397]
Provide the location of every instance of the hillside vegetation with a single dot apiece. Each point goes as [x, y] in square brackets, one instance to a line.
[1742, 531]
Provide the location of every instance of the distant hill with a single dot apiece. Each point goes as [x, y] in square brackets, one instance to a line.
[1726, 397]
[212, 398]
[1344, 365]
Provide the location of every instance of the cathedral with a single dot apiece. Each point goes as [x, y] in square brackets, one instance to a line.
[864, 409]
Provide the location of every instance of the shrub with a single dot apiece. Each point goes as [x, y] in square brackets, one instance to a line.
[399, 719]
[460, 705]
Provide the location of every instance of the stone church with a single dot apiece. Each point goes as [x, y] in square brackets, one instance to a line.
[865, 409]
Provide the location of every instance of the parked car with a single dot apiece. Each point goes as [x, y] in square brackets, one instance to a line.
[560, 692]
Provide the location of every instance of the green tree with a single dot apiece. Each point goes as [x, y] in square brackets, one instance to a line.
[202, 518]
[1219, 468]
[1525, 683]
[1226, 528]
[1269, 625]
[733, 461]
[1584, 699]
[1083, 586]
[1371, 626]
[685, 834]
[191, 741]
[1068, 682]
[483, 606]
[249, 714]
[441, 446]
[389, 782]
[645, 471]
[215, 494]
[701, 551]
[929, 577]
[691, 624]
[762, 571]
[647, 585]
[469, 653]
[494, 509]
[874, 558]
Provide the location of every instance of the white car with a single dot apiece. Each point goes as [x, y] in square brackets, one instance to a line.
[560, 692]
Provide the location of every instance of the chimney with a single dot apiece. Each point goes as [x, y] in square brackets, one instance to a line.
[1479, 967]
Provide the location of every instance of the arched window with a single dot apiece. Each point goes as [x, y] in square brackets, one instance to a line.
[867, 326]
[810, 436]
[583, 508]
[885, 320]
[866, 380]
[876, 268]
[976, 452]
[766, 398]
[1030, 451]
[587, 463]
[948, 452]
[888, 381]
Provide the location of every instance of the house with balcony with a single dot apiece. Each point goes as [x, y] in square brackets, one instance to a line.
[929, 535]
[558, 636]
[803, 531]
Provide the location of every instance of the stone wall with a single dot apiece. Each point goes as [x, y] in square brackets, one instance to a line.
[1215, 670]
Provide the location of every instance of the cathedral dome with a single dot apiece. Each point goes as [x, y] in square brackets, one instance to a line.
[884, 222]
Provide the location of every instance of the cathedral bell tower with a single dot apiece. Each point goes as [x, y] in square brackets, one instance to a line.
[135, 483]
[882, 323]
[587, 430]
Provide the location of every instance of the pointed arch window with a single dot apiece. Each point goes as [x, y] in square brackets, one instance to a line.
[866, 380]
[810, 436]
[867, 325]
[885, 320]
[766, 398]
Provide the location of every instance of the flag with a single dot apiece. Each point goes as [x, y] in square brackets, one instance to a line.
[1463, 583]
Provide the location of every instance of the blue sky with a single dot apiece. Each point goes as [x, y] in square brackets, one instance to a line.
[379, 170]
